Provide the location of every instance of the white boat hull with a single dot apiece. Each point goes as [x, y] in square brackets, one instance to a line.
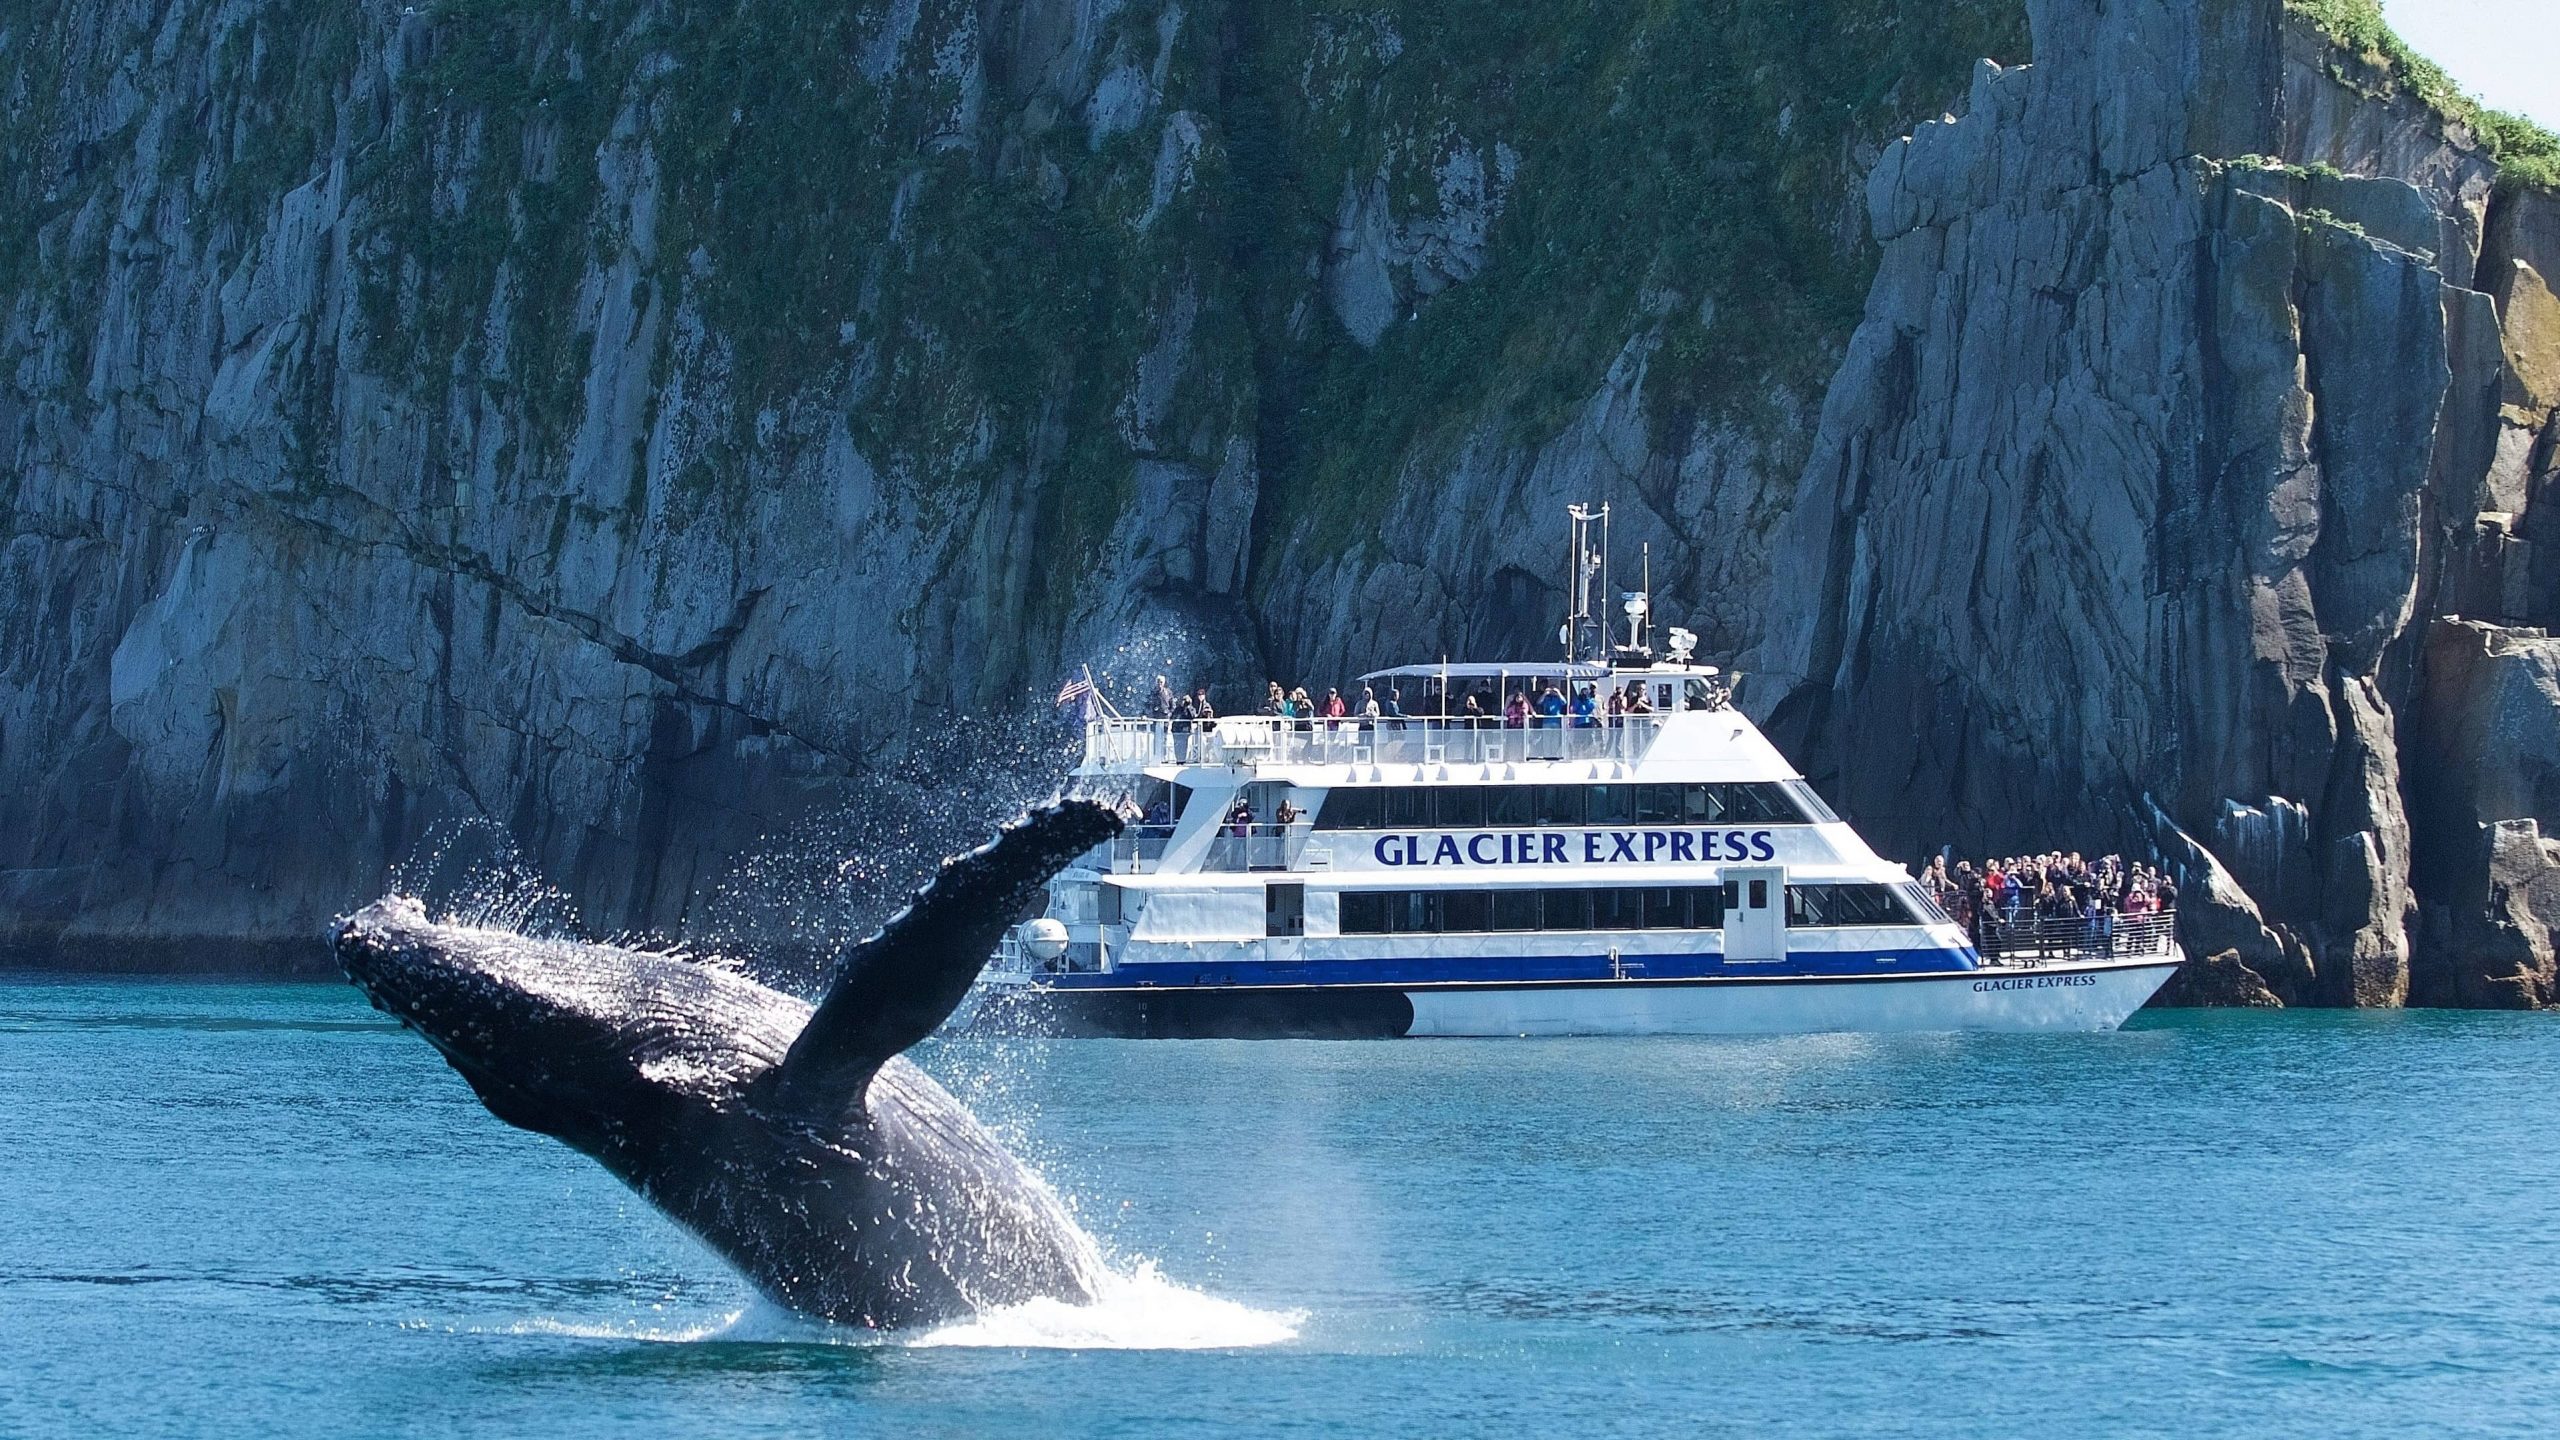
[2060, 995]
[2057, 997]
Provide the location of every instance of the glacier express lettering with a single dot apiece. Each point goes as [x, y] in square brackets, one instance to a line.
[2034, 982]
[1495, 848]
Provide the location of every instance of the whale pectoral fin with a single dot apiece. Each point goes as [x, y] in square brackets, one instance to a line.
[903, 981]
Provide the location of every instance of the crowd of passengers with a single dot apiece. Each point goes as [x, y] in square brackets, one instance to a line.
[2046, 890]
[1481, 706]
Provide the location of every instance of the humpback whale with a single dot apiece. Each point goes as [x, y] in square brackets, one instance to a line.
[795, 1141]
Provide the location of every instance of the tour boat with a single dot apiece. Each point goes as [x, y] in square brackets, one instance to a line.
[1659, 870]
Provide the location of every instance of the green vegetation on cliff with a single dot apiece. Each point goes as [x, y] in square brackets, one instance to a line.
[1686, 173]
[2526, 153]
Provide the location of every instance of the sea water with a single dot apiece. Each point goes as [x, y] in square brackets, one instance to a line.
[260, 1210]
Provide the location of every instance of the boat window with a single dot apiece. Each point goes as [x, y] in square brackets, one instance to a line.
[1459, 807]
[1469, 912]
[1559, 804]
[1422, 911]
[1609, 804]
[1364, 912]
[1819, 905]
[1476, 807]
[1466, 911]
[1284, 909]
[1917, 901]
[1567, 910]
[1617, 909]
[1351, 809]
[1808, 801]
[1758, 802]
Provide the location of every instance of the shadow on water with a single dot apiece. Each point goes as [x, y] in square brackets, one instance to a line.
[583, 1355]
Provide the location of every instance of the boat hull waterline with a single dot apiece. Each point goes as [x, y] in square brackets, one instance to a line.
[2061, 997]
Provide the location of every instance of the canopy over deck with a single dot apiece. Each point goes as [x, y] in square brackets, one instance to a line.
[1530, 670]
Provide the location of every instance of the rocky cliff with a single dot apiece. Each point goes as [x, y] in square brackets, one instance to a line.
[649, 429]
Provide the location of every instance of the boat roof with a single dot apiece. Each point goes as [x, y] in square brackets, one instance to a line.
[1563, 669]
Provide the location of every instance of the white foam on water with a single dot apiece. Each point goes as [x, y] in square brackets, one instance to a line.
[714, 1328]
[1141, 1310]
[1138, 1311]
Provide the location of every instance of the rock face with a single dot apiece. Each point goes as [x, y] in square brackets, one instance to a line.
[2150, 453]
[645, 430]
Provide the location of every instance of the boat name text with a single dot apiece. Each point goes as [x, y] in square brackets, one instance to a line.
[1587, 847]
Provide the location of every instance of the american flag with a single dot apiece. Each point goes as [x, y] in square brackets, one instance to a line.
[1077, 693]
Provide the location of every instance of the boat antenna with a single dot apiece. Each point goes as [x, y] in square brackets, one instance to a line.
[1581, 632]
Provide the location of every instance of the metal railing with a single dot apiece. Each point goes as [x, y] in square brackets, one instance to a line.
[2033, 940]
[1139, 850]
[1264, 740]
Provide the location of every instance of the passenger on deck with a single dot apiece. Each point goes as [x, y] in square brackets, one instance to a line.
[1515, 711]
[1369, 711]
[1586, 714]
[1334, 710]
[1302, 708]
[1160, 704]
[1551, 708]
[1274, 702]
[1474, 713]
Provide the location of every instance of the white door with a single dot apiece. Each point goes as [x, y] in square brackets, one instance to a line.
[1755, 913]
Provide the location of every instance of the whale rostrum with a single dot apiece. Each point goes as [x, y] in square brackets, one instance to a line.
[798, 1143]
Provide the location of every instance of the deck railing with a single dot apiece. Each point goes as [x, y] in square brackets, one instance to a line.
[1139, 850]
[1264, 740]
[2030, 940]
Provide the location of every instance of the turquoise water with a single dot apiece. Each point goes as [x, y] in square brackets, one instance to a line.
[248, 1209]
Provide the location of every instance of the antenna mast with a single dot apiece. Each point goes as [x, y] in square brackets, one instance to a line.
[1585, 636]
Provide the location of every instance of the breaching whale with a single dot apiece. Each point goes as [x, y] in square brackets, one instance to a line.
[797, 1143]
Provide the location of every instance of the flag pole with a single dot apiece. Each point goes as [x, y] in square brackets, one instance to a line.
[1100, 700]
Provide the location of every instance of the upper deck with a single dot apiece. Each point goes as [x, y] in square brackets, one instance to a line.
[1684, 704]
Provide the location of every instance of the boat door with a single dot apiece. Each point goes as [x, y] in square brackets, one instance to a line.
[1284, 920]
[1755, 913]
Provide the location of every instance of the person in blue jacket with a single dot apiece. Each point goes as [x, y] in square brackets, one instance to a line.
[1550, 708]
[1586, 712]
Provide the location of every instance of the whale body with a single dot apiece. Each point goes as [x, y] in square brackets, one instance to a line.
[795, 1141]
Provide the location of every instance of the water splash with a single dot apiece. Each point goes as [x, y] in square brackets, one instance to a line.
[1141, 1310]
[471, 872]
